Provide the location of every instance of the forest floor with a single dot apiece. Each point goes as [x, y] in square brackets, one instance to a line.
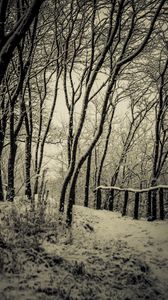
[104, 256]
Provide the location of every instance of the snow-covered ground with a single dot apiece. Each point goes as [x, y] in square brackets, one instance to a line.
[147, 239]
[104, 256]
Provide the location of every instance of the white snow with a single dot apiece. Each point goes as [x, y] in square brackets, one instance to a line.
[148, 239]
[97, 230]
[103, 256]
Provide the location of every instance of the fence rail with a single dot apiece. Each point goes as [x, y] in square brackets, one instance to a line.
[154, 203]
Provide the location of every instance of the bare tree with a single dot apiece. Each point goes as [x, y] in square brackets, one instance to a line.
[123, 57]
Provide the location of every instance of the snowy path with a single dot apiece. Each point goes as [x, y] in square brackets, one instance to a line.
[148, 239]
[108, 240]
[103, 257]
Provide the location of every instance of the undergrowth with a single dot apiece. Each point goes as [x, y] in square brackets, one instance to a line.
[23, 230]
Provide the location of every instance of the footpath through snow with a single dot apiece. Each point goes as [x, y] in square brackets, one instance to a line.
[124, 244]
[147, 239]
[103, 257]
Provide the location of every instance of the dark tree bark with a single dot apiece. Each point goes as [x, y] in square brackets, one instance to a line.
[3, 122]
[154, 200]
[149, 205]
[98, 199]
[1, 149]
[111, 200]
[87, 180]
[136, 207]
[125, 203]
[99, 173]
[70, 134]
[10, 41]
[11, 163]
[160, 152]
[12, 156]
[13, 147]
[3, 9]
[1, 183]
[28, 189]
[28, 117]
[161, 202]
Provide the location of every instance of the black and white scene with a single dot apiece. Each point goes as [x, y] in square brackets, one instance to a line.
[83, 149]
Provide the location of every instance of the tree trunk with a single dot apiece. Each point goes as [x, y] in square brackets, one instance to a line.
[104, 154]
[125, 203]
[70, 206]
[87, 183]
[3, 122]
[11, 166]
[154, 200]
[1, 183]
[112, 183]
[154, 205]
[95, 173]
[136, 207]
[111, 200]
[99, 199]
[36, 184]
[65, 185]
[161, 203]
[70, 134]
[28, 189]
[149, 205]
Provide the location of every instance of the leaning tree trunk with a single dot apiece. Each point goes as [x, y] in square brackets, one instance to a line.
[12, 39]
[98, 191]
[75, 172]
[111, 36]
[121, 62]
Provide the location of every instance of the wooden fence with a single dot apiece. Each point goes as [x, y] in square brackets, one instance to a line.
[154, 204]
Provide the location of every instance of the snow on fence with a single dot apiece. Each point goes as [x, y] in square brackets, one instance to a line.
[153, 193]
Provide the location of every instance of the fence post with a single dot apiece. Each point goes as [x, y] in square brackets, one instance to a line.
[161, 203]
[125, 203]
[149, 205]
[136, 207]
[98, 199]
[154, 204]
[111, 200]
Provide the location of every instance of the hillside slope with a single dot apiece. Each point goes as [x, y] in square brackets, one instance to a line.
[103, 256]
